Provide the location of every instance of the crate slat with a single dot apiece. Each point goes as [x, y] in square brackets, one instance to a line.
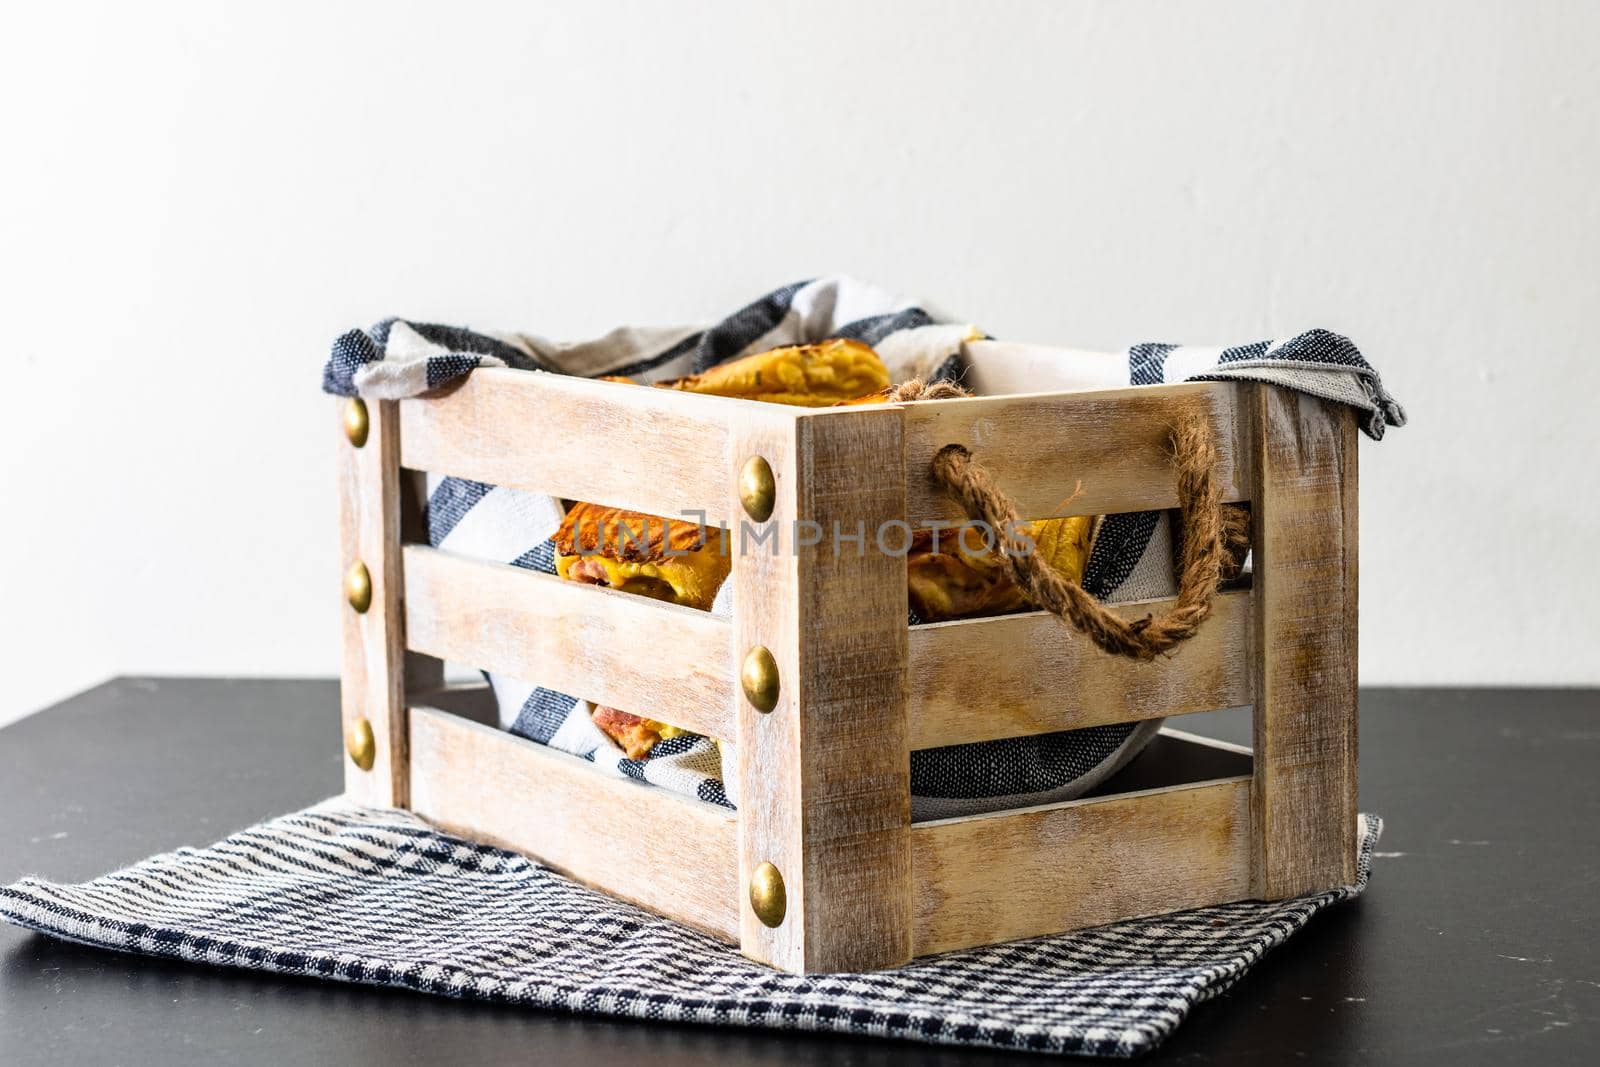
[668, 853]
[1082, 863]
[654, 450]
[1040, 447]
[630, 652]
[1039, 675]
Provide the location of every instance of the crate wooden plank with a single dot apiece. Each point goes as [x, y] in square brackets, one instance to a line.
[1038, 674]
[372, 676]
[1109, 447]
[654, 450]
[824, 778]
[643, 656]
[1305, 572]
[662, 851]
[1044, 870]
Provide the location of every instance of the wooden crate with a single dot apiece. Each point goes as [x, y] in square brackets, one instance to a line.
[823, 779]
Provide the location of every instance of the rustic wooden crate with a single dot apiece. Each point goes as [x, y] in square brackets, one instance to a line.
[823, 779]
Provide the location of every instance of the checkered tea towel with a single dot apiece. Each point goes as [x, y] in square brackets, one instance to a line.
[1131, 557]
[379, 897]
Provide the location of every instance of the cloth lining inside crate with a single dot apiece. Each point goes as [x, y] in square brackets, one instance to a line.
[1132, 557]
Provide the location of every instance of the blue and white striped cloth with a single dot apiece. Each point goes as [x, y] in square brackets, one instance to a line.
[1131, 558]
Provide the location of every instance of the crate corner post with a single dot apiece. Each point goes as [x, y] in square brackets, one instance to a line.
[372, 676]
[823, 775]
[1304, 538]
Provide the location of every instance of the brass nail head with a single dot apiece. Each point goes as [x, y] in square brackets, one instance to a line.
[767, 896]
[759, 677]
[757, 490]
[358, 741]
[355, 421]
[358, 587]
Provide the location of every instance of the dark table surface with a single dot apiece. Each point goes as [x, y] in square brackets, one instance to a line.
[1476, 942]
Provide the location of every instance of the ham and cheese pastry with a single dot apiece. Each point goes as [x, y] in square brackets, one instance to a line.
[636, 735]
[665, 559]
[961, 575]
[810, 376]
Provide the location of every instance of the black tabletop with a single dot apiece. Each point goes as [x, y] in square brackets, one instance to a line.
[1476, 942]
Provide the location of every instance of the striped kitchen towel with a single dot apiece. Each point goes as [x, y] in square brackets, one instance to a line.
[379, 897]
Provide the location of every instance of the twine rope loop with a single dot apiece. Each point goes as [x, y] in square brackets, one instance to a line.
[1211, 550]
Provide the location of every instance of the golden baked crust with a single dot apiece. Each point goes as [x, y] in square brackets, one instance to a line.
[807, 375]
[959, 579]
[627, 535]
[964, 577]
[636, 735]
[877, 396]
[628, 550]
[1064, 543]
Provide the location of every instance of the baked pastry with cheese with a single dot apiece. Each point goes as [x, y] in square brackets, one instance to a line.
[635, 734]
[811, 376]
[665, 559]
[959, 574]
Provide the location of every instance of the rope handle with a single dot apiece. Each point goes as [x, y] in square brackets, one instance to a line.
[1214, 541]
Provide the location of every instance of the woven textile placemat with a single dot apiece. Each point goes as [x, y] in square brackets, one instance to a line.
[378, 896]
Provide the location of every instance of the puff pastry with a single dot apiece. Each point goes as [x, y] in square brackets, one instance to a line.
[635, 734]
[807, 375]
[962, 576]
[629, 550]
[666, 559]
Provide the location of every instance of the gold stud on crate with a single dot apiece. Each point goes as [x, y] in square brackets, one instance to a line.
[767, 897]
[759, 677]
[355, 421]
[359, 743]
[757, 491]
[358, 587]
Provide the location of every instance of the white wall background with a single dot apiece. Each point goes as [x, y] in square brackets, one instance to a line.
[196, 198]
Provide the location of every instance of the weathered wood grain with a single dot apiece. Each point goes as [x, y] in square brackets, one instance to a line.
[372, 678]
[990, 878]
[665, 852]
[658, 451]
[1086, 453]
[1304, 518]
[824, 778]
[980, 679]
[647, 657]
